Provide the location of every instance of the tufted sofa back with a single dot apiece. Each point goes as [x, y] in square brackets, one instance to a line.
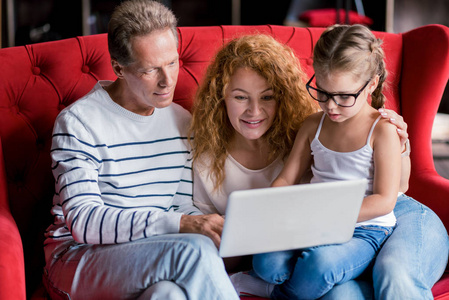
[38, 81]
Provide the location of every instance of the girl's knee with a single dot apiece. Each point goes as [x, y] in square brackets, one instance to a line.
[274, 268]
[314, 266]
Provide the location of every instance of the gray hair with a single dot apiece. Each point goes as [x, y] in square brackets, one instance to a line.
[136, 18]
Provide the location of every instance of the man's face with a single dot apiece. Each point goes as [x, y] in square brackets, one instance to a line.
[150, 80]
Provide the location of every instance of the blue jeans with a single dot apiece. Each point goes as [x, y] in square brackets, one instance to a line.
[128, 270]
[311, 273]
[410, 262]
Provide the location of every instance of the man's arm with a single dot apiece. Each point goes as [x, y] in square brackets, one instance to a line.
[76, 166]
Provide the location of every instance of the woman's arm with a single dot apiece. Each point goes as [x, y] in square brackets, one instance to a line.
[387, 173]
[203, 184]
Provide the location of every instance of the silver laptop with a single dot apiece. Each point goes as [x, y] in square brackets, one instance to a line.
[292, 217]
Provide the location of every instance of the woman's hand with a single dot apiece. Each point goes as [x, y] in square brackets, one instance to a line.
[398, 121]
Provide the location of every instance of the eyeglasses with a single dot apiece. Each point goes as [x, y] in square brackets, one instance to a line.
[344, 100]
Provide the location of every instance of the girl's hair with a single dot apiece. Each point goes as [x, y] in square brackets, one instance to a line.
[280, 67]
[355, 49]
[136, 18]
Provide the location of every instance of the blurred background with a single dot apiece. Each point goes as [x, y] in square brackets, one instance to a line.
[34, 21]
[31, 21]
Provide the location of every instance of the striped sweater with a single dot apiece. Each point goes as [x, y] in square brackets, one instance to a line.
[119, 176]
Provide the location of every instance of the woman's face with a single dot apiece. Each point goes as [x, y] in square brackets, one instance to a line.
[250, 104]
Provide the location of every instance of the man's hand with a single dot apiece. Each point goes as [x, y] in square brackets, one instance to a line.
[208, 225]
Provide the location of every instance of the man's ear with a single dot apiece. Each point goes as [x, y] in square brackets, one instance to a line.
[117, 68]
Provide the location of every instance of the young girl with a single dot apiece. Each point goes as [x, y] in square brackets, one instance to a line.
[347, 140]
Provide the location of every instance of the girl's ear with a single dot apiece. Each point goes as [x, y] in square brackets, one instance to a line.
[372, 86]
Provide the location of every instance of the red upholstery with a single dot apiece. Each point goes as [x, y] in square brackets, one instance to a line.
[37, 81]
[12, 283]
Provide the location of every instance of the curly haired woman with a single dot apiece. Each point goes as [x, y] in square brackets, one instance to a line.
[246, 114]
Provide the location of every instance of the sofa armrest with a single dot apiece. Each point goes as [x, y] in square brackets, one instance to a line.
[425, 75]
[12, 267]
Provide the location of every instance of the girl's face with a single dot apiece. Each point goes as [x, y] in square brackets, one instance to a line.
[250, 104]
[344, 83]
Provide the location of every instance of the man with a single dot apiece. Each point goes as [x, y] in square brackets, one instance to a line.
[123, 201]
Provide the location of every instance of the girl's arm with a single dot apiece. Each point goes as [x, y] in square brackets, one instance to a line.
[405, 173]
[387, 173]
[398, 121]
[300, 157]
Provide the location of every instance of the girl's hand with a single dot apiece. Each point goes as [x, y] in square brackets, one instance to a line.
[398, 121]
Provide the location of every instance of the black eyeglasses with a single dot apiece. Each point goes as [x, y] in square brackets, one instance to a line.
[344, 100]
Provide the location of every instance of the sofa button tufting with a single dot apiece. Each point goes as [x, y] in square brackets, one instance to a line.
[15, 109]
[85, 69]
[36, 70]
[18, 179]
[309, 61]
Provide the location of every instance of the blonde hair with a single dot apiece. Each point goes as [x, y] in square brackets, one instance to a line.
[280, 67]
[355, 49]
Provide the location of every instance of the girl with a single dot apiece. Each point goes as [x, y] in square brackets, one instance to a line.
[347, 140]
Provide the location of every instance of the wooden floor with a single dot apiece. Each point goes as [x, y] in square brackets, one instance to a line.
[440, 144]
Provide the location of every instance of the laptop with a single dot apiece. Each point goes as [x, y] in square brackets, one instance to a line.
[292, 217]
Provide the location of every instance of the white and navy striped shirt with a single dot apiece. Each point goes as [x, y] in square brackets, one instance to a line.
[119, 176]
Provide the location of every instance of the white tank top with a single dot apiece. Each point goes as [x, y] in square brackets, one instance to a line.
[329, 165]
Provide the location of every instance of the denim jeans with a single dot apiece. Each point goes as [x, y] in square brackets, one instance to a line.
[126, 271]
[410, 262]
[311, 273]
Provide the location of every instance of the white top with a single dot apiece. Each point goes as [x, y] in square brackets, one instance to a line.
[120, 176]
[329, 165]
[237, 177]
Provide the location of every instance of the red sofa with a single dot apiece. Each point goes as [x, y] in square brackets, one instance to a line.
[37, 81]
